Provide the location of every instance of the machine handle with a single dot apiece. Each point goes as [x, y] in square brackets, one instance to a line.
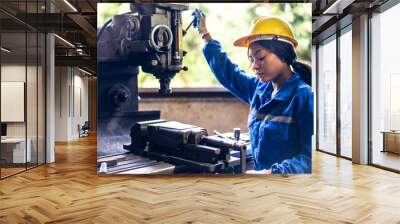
[187, 28]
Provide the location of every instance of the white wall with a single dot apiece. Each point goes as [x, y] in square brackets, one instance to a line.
[71, 94]
[80, 97]
[12, 73]
[314, 89]
[61, 103]
[33, 126]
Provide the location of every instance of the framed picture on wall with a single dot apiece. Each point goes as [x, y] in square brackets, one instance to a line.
[156, 41]
[12, 101]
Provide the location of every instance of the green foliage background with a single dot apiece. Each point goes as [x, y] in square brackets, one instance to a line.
[226, 22]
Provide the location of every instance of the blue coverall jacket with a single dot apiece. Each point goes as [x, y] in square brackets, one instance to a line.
[281, 127]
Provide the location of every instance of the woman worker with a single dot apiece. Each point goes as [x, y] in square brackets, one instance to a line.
[280, 97]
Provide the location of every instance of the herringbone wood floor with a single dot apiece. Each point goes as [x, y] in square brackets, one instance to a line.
[70, 191]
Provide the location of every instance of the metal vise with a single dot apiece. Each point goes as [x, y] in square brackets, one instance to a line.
[187, 145]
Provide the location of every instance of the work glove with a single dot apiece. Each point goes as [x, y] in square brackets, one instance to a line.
[200, 22]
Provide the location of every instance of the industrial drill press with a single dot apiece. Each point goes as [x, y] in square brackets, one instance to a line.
[150, 36]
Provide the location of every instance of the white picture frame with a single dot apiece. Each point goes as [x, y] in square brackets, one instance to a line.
[12, 101]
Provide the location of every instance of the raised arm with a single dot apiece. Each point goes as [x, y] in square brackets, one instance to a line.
[227, 73]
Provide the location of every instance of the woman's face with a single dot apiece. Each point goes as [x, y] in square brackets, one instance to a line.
[265, 64]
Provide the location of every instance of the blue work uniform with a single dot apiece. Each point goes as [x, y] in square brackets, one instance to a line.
[280, 127]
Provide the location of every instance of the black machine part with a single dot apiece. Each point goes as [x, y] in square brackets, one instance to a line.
[201, 153]
[150, 36]
[227, 145]
[139, 136]
[190, 145]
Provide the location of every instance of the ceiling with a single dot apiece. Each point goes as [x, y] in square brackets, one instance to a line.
[75, 22]
[328, 16]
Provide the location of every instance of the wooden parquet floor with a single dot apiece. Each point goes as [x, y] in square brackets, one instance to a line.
[70, 191]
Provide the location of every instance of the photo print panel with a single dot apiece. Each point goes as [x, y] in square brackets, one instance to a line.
[204, 88]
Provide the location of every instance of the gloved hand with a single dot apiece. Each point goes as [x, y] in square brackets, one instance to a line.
[200, 22]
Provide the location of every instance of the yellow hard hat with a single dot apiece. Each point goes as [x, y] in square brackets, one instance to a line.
[268, 28]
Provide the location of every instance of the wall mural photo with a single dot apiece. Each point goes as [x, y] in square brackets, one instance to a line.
[261, 59]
